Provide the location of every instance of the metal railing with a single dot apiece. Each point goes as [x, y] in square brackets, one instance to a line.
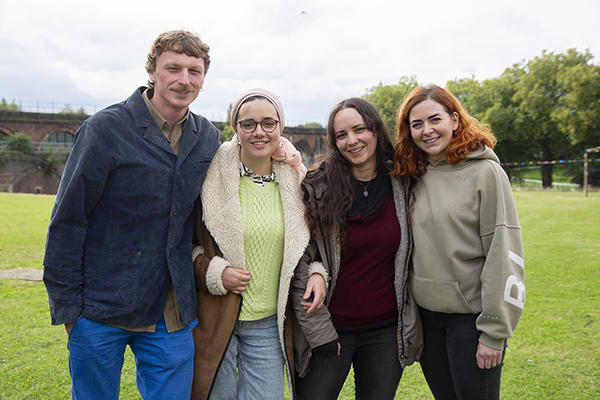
[52, 107]
[43, 146]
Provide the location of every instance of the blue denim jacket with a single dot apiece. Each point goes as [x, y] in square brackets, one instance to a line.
[121, 227]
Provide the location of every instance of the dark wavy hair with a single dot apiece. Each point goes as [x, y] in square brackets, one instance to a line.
[470, 135]
[335, 171]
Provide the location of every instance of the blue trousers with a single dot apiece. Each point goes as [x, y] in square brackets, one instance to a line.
[164, 361]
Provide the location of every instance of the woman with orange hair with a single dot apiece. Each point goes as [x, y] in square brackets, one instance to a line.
[467, 268]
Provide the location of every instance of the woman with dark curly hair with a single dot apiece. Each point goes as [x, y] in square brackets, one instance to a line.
[360, 246]
[467, 269]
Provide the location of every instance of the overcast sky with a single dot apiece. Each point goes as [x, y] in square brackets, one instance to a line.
[311, 53]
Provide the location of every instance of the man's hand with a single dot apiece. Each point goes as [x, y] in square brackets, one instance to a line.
[68, 326]
[235, 280]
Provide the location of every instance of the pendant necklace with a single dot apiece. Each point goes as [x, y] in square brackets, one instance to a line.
[365, 192]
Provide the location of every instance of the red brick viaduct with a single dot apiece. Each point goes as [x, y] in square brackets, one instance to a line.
[19, 175]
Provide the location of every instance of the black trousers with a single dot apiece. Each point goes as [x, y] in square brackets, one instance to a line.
[449, 358]
[373, 354]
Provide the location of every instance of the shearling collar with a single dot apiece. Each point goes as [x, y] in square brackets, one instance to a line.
[221, 212]
[221, 204]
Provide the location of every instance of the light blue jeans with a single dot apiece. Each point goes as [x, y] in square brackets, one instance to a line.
[252, 367]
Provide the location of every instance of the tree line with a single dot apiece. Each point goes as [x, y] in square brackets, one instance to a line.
[546, 108]
[543, 109]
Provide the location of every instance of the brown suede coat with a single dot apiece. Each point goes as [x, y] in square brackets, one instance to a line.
[217, 316]
[218, 232]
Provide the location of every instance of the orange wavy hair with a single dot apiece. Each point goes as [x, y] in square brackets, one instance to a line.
[470, 135]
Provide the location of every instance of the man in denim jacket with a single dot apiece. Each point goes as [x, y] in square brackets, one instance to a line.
[118, 263]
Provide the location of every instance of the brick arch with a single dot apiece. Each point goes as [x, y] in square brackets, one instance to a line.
[307, 152]
[63, 140]
[70, 131]
[313, 137]
[5, 131]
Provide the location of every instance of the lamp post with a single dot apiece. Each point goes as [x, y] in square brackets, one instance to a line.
[585, 168]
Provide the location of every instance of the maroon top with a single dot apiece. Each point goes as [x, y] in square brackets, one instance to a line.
[364, 292]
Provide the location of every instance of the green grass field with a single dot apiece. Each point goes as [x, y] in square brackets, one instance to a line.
[555, 353]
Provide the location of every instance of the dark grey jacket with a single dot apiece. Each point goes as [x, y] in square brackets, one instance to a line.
[121, 228]
[316, 329]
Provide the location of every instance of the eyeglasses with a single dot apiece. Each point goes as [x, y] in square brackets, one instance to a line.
[249, 125]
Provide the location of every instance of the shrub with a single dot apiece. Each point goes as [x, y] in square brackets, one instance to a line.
[21, 143]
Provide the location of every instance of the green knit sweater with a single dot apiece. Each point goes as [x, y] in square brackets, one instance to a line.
[263, 229]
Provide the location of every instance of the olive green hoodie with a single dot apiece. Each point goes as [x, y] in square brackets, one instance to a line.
[468, 256]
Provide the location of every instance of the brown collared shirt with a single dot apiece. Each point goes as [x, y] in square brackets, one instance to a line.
[172, 133]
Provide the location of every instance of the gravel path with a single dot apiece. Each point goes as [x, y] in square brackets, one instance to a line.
[28, 274]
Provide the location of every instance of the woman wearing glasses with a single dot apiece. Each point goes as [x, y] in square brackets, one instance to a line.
[360, 232]
[250, 235]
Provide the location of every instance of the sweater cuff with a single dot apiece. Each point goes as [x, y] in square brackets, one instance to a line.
[214, 279]
[496, 344]
[316, 267]
[197, 251]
